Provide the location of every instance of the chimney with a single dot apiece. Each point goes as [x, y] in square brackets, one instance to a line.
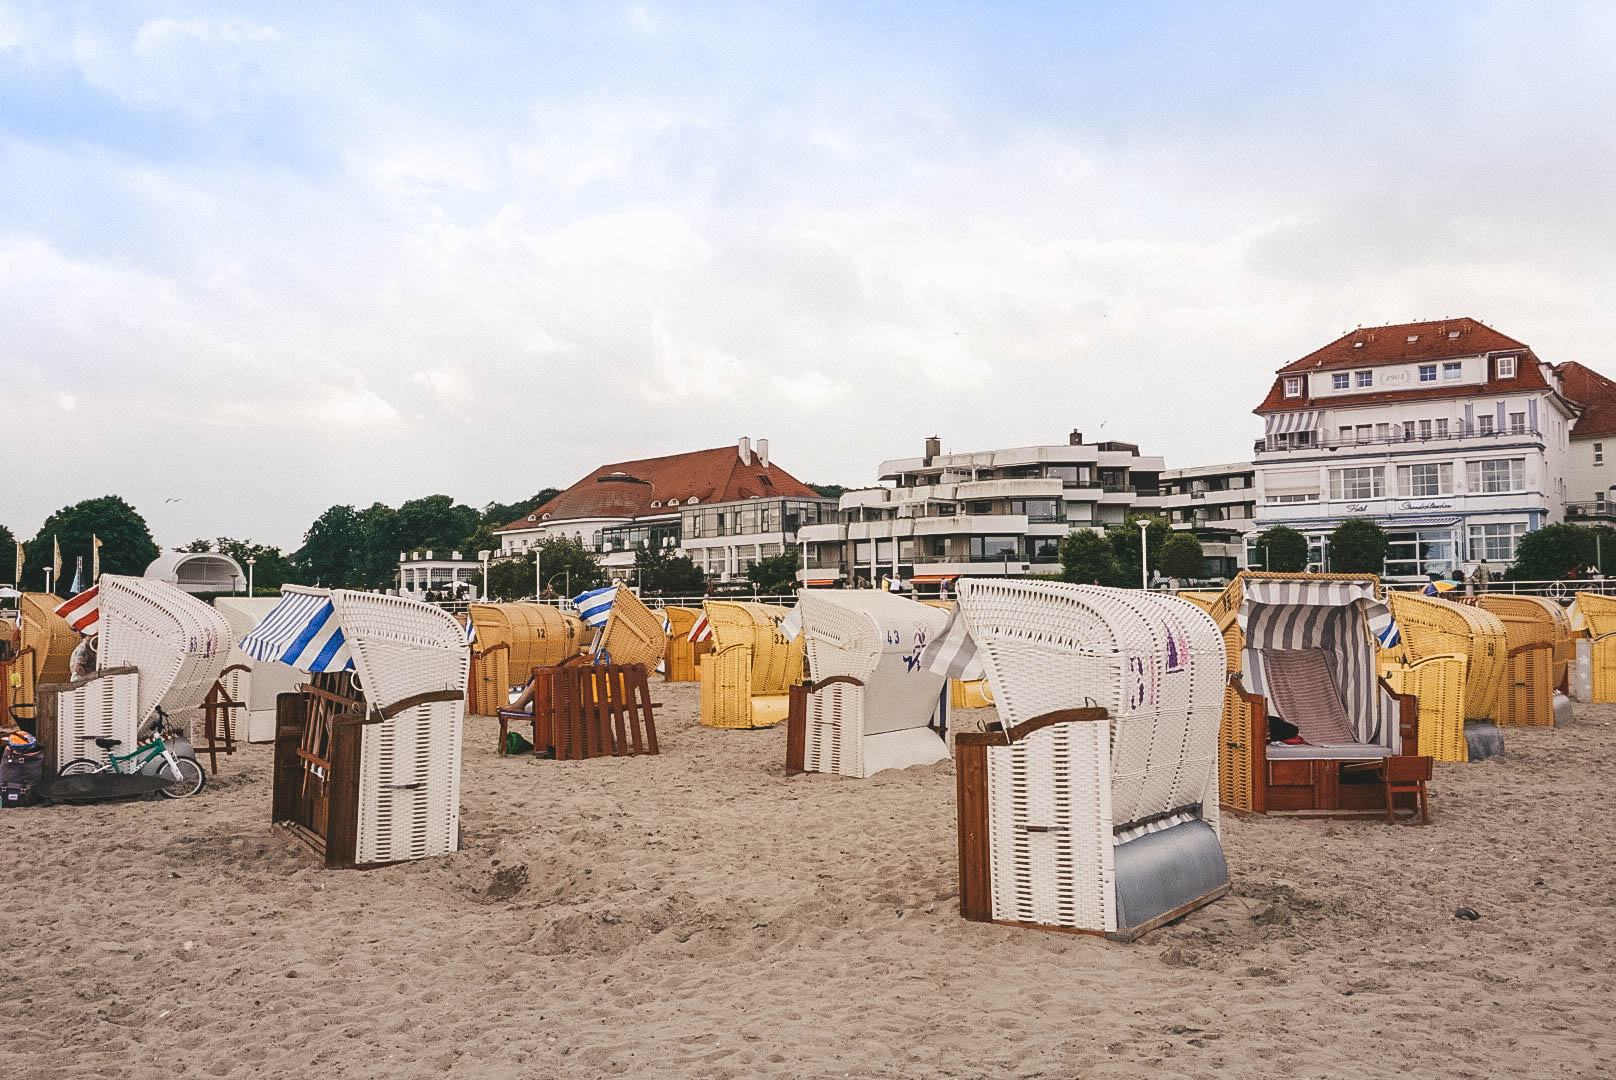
[763, 453]
[1075, 438]
[745, 449]
[934, 448]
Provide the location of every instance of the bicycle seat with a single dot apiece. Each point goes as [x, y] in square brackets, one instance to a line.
[107, 744]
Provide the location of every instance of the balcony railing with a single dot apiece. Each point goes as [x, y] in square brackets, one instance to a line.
[1591, 510]
[1263, 446]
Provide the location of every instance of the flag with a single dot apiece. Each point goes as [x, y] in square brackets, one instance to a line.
[1578, 623]
[701, 629]
[18, 580]
[1387, 632]
[471, 631]
[95, 558]
[595, 605]
[952, 653]
[667, 628]
[56, 563]
[78, 576]
[83, 612]
[791, 625]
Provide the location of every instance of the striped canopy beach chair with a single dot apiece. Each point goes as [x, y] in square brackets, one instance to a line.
[1303, 648]
[1092, 805]
[367, 756]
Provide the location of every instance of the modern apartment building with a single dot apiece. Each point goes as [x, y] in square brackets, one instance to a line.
[989, 512]
[1218, 504]
[725, 507]
[1450, 435]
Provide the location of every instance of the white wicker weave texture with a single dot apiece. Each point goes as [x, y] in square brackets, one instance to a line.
[409, 770]
[104, 707]
[877, 638]
[1057, 798]
[179, 643]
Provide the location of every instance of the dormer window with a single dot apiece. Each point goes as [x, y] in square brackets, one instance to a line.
[691, 501]
[1365, 378]
[673, 502]
[1412, 338]
[1506, 367]
[533, 517]
[656, 504]
[1293, 387]
[1452, 334]
[1357, 344]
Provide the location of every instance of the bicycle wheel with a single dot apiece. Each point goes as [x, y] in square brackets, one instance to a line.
[80, 766]
[188, 782]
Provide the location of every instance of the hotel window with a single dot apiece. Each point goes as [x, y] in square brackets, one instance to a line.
[1484, 425]
[1495, 543]
[1442, 429]
[1408, 429]
[1366, 378]
[1424, 481]
[1293, 387]
[1427, 373]
[988, 548]
[1599, 453]
[1339, 382]
[1425, 429]
[1346, 433]
[1517, 423]
[1452, 372]
[1361, 483]
[1496, 475]
[1506, 367]
[1382, 432]
[1364, 432]
[1599, 501]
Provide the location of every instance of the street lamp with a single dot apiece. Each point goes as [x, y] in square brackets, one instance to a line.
[483, 555]
[251, 560]
[1144, 554]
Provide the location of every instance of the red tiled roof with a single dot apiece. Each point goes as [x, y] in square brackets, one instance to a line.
[626, 489]
[1595, 393]
[1377, 346]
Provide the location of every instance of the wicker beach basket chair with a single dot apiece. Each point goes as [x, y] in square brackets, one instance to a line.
[1098, 819]
[684, 655]
[1432, 626]
[409, 772]
[880, 721]
[178, 644]
[512, 640]
[633, 633]
[1599, 614]
[1538, 633]
[45, 645]
[746, 678]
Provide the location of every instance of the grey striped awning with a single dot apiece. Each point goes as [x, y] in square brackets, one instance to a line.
[1285, 423]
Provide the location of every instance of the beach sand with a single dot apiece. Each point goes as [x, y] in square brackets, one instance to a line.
[699, 914]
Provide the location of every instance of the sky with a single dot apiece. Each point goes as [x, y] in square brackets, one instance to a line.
[257, 260]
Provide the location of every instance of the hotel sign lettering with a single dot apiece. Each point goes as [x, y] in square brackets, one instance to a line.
[1425, 506]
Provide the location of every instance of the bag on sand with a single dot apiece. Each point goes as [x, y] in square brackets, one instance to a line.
[20, 769]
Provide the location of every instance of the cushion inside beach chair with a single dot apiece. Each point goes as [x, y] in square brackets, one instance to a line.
[1303, 691]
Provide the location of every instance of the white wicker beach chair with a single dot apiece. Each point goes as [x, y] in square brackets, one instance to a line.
[178, 644]
[409, 664]
[101, 705]
[858, 728]
[1098, 809]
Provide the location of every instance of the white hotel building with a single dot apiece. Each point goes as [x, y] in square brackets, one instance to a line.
[1451, 436]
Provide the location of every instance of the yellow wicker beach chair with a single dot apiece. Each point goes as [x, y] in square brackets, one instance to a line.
[1432, 626]
[1540, 646]
[45, 644]
[684, 656]
[633, 633]
[746, 679]
[1599, 612]
[512, 640]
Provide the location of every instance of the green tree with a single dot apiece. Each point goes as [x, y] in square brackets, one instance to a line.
[1181, 557]
[668, 572]
[380, 542]
[435, 521]
[1282, 550]
[1124, 541]
[1357, 546]
[8, 554]
[569, 569]
[196, 546]
[775, 575]
[127, 545]
[1087, 559]
[1553, 552]
[331, 551]
[829, 491]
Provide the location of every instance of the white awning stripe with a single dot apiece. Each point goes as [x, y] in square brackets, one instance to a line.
[302, 631]
[952, 653]
[1285, 423]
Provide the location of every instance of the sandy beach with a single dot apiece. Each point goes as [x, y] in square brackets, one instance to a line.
[700, 914]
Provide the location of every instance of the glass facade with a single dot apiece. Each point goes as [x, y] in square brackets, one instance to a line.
[754, 516]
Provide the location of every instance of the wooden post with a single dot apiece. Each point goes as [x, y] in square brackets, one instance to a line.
[971, 786]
